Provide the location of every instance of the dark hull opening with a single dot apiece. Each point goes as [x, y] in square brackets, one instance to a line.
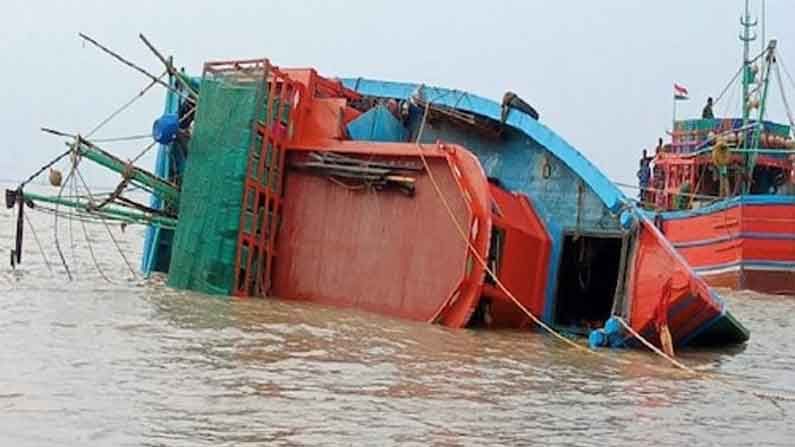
[587, 281]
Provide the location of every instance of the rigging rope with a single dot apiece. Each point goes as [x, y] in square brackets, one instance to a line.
[131, 65]
[786, 71]
[93, 256]
[728, 86]
[731, 100]
[38, 243]
[85, 230]
[107, 227]
[73, 186]
[44, 168]
[143, 152]
[125, 106]
[472, 249]
[784, 97]
[55, 227]
[727, 380]
[655, 349]
[142, 136]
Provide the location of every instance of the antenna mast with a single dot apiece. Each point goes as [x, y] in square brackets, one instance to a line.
[748, 75]
[763, 14]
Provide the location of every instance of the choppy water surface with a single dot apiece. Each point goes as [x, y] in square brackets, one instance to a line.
[136, 363]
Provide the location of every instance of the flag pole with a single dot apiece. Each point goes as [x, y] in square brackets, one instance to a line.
[673, 120]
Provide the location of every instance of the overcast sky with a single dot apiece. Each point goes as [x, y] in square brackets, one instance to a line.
[599, 72]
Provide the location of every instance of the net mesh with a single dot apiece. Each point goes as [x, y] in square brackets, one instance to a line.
[205, 240]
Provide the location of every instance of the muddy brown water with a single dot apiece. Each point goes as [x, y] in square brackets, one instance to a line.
[135, 363]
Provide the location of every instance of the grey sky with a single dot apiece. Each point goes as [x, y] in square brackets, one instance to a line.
[599, 72]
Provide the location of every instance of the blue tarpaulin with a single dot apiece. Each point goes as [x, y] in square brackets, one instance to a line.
[378, 124]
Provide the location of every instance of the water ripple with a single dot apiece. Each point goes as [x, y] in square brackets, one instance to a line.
[136, 363]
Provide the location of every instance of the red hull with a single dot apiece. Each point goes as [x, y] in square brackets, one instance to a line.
[396, 255]
[663, 288]
[403, 256]
[382, 251]
[744, 246]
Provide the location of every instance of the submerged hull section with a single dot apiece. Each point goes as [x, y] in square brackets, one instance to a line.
[664, 290]
[743, 243]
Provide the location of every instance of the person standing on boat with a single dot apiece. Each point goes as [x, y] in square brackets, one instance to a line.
[721, 159]
[660, 146]
[644, 176]
[707, 112]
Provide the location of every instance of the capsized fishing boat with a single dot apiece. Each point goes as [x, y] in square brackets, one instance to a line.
[723, 189]
[411, 201]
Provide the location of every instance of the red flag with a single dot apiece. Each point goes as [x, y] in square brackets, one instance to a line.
[680, 92]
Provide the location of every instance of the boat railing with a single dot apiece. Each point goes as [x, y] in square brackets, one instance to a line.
[691, 135]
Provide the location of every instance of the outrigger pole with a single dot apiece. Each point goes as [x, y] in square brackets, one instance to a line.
[179, 76]
[137, 176]
[109, 212]
[135, 67]
[113, 207]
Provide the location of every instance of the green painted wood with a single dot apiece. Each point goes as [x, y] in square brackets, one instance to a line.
[106, 211]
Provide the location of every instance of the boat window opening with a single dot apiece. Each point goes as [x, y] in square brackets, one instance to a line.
[495, 253]
[587, 282]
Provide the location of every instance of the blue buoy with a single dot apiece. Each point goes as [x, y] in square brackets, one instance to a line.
[597, 339]
[614, 332]
[627, 220]
[165, 128]
[612, 326]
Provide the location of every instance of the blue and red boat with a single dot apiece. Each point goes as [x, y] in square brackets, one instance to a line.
[482, 180]
[723, 189]
[416, 202]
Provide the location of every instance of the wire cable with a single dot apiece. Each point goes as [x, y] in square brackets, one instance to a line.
[124, 106]
[38, 243]
[110, 232]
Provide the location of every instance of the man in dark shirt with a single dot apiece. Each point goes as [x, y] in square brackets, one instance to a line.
[644, 176]
[707, 113]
